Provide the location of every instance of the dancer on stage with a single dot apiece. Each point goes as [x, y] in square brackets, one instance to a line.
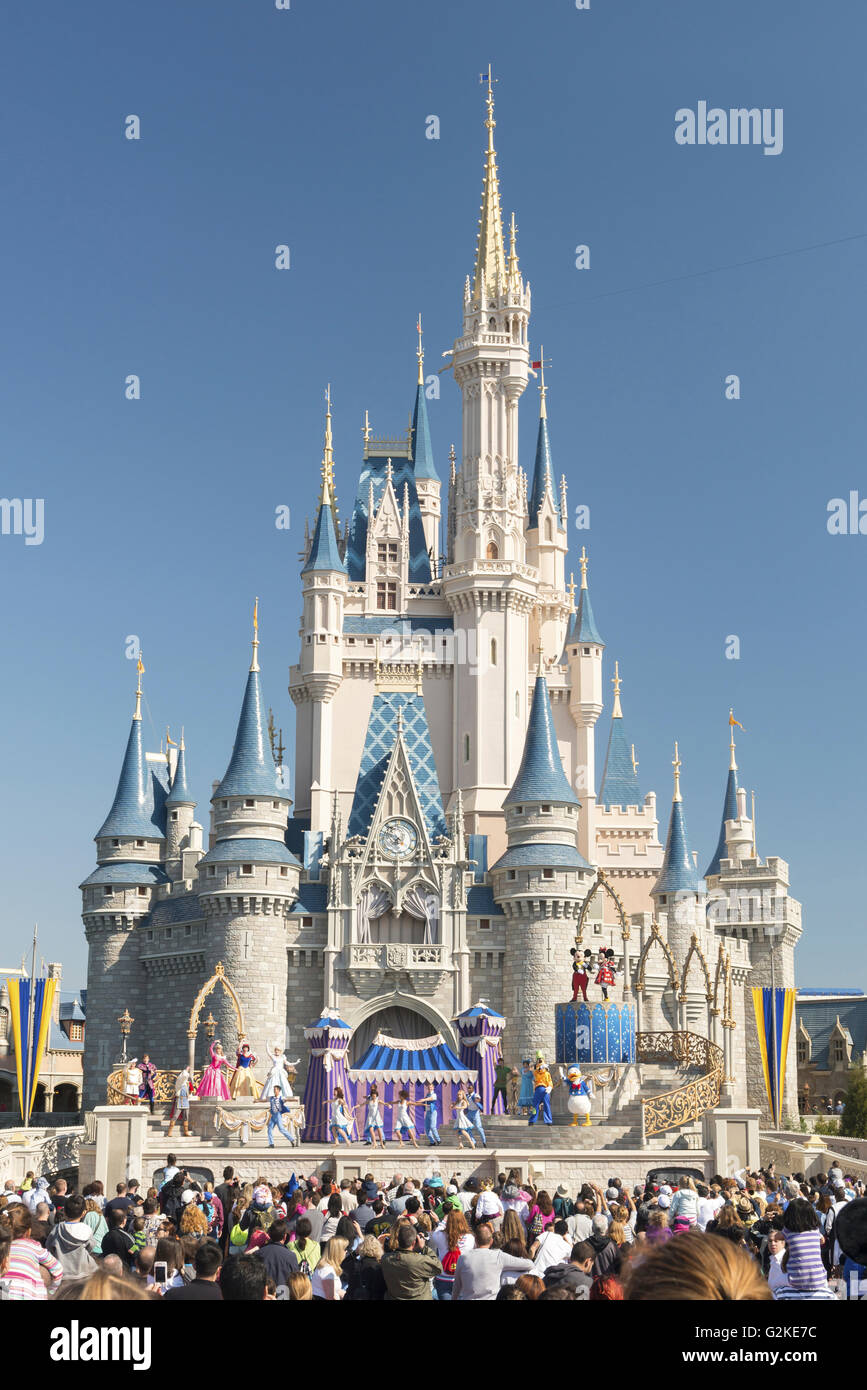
[373, 1125]
[525, 1095]
[580, 977]
[278, 1077]
[580, 1094]
[279, 1108]
[403, 1123]
[132, 1079]
[542, 1088]
[431, 1116]
[341, 1117]
[181, 1103]
[148, 1081]
[474, 1113]
[213, 1085]
[462, 1123]
[244, 1082]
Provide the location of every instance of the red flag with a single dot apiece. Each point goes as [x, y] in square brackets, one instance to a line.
[536, 364]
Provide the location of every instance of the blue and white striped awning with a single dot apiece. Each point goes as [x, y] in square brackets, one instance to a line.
[410, 1059]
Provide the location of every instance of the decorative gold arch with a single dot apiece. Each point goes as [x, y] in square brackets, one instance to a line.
[219, 977]
[656, 939]
[602, 882]
[695, 950]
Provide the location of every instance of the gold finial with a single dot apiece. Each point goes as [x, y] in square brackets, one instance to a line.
[254, 664]
[365, 430]
[543, 409]
[419, 352]
[540, 669]
[140, 666]
[733, 724]
[617, 712]
[571, 587]
[633, 757]
[489, 101]
[676, 764]
[490, 268]
[583, 563]
[753, 802]
[182, 745]
[327, 498]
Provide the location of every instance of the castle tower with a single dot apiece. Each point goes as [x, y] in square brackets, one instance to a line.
[619, 785]
[583, 655]
[324, 586]
[117, 895]
[540, 883]
[183, 833]
[678, 896]
[248, 880]
[627, 830]
[730, 808]
[488, 586]
[427, 480]
[547, 545]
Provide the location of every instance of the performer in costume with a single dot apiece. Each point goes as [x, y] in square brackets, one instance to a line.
[181, 1103]
[429, 1101]
[525, 1095]
[474, 1113]
[373, 1125]
[462, 1123]
[580, 1094]
[148, 1081]
[404, 1124]
[580, 977]
[213, 1084]
[341, 1117]
[132, 1079]
[279, 1108]
[514, 1087]
[542, 1088]
[244, 1082]
[605, 974]
[277, 1076]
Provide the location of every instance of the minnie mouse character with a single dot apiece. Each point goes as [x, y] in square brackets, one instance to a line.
[605, 973]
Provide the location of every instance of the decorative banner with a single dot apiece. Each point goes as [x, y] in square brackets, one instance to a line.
[774, 1010]
[30, 1003]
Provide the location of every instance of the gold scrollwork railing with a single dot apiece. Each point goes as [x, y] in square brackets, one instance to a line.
[690, 1101]
[164, 1087]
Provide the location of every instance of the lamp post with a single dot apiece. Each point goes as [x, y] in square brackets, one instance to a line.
[126, 1021]
[210, 1026]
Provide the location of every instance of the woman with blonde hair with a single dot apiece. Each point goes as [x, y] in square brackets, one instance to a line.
[103, 1287]
[300, 1288]
[683, 1212]
[695, 1268]
[326, 1276]
[94, 1218]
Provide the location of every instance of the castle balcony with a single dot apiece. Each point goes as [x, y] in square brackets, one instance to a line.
[424, 965]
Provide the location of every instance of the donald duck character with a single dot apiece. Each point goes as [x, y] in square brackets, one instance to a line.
[580, 1094]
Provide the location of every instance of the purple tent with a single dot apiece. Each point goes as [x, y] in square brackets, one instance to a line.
[328, 1040]
[480, 1030]
[405, 1064]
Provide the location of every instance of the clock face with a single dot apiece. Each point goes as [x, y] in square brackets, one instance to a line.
[398, 838]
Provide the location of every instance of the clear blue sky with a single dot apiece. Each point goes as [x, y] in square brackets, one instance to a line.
[307, 127]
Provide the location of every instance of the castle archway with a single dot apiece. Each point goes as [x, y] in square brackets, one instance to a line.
[400, 1016]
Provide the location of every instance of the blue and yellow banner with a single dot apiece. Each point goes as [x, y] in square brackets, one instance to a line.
[775, 1009]
[30, 1004]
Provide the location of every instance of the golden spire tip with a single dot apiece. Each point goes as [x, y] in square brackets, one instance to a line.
[583, 563]
[419, 352]
[254, 664]
[140, 667]
[617, 712]
[676, 764]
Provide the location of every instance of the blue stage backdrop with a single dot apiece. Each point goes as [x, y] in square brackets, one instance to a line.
[597, 1032]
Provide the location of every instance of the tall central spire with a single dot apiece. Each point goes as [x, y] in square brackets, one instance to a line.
[490, 255]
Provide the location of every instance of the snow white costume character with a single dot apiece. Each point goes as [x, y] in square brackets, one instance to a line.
[243, 1081]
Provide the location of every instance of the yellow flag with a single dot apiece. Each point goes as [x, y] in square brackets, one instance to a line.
[140, 666]
[735, 723]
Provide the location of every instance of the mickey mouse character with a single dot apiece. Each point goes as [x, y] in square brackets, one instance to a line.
[580, 976]
[605, 973]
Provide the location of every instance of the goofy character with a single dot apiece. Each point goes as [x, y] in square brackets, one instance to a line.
[542, 1088]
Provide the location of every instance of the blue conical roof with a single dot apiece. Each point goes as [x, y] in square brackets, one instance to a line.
[678, 873]
[251, 770]
[541, 776]
[582, 625]
[619, 778]
[422, 450]
[324, 553]
[730, 812]
[137, 809]
[543, 473]
[180, 792]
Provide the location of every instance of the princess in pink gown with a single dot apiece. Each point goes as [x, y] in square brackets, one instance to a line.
[213, 1083]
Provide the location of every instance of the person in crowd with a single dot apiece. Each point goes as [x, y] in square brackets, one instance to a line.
[300, 1288]
[71, 1242]
[204, 1287]
[450, 1240]
[327, 1283]
[243, 1280]
[479, 1271]
[362, 1272]
[93, 1217]
[802, 1266]
[117, 1240]
[278, 1260]
[552, 1248]
[26, 1260]
[410, 1267]
[306, 1251]
[574, 1273]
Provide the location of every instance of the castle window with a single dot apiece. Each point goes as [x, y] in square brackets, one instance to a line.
[386, 552]
[803, 1056]
[275, 805]
[484, 924]
[188, 930]
[149, 934]
[76, 1032]
[519, 810]
[597, 928]
[548, 533]
[493, 651]
[518, 703]
[307, 921]
[839, 1050]
[284, 872]
[142, 892]
[466, 748]
[246, 869]
[546, 810]
[493, 551]
[586, 651]
[139, 844]
[249, 801]
[168, 933]
[225, 805]
[386, 595]
[174, 815]
[212, 871]
[510, 874]
[107, 890]
[547, 873]
[115, 843]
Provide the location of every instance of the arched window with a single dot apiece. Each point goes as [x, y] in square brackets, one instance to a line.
[493, 651]
[493, 551]
[549, 535]
[518, 703]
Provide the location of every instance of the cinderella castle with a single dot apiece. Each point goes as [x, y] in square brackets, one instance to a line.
[453, 832]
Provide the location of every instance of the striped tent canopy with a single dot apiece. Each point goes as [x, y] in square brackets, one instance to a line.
[410, 1059]
[328, 1019]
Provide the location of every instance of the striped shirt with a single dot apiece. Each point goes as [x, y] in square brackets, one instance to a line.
[804, 1268]
[22, 1275]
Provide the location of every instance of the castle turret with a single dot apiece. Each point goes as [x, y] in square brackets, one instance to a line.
[540, 883]
[427, 480]
[619, 785]
[547, 544]
[678, 895]
[730, 807]
[118, 894]
[583, 654]
[248, 880]
[183, 833]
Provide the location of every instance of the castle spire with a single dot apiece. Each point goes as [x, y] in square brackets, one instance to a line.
[419, 352]
[140, 666]
[137, 808]
[251, 770]
[730, 802]
[678, 873]
[541, 776]
[617, 712]
[180, 792]
[582, 624]
[324, 552]
[620, 773]
[490, 268]
[422, 449]
[543, 473]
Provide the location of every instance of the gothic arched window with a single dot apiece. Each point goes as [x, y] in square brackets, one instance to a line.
[493, 551]
[493, 651]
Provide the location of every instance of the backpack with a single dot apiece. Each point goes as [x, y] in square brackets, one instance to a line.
[449, 1261]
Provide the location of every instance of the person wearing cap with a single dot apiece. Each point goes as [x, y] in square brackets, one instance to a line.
[542, 1088]
[564, 1207]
